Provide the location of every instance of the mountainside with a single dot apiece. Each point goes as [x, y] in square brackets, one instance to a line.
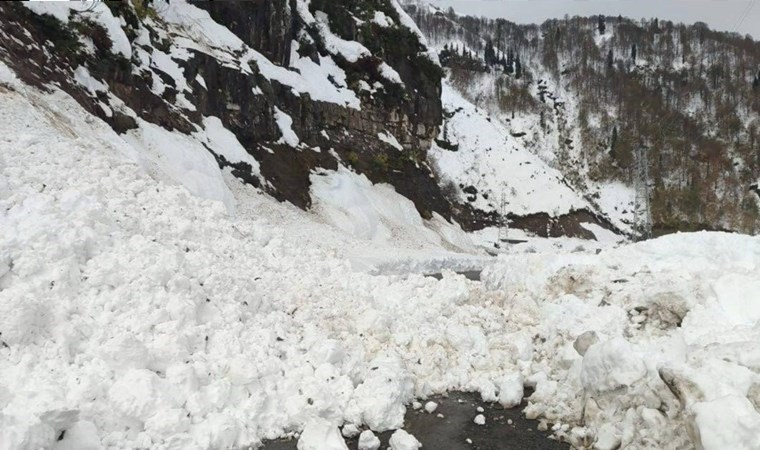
[302, 86]
[286, 78]
[624, 109]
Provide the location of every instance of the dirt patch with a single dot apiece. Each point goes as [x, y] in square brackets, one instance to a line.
[503, 429]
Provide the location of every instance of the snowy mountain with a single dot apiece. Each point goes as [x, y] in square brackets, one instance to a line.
[215, 218]
[621, 106]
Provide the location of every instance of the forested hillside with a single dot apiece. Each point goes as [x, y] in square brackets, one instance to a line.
[671, 111]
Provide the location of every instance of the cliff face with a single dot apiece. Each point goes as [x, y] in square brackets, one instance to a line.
[307, 86]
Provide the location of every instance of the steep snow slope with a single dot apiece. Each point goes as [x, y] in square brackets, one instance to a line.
[489, 159]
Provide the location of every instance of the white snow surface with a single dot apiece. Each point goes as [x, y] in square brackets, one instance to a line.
[495, 163]
[138, 315]
[149, 300]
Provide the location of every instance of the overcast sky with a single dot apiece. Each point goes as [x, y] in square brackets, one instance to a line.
[742, 16]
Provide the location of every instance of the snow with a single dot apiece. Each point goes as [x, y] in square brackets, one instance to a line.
[129, 303]
[137, 312]
[368, 441]
[401, 440]
[352, 51]
[320, 434]
[376, 212]
[223, 142]
[320, 80]
[480, 419]
[662, 331]
[381, 19]
[96, 11]
[182, 159]
[83, 77]
[409, 23]
[390, 140]
[285, 123]
[489, 159]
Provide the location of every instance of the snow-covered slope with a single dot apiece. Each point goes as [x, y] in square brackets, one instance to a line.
[497, 165]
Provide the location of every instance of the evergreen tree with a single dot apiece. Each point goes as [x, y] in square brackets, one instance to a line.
[634, 52]
[756, 82]
[510, 62]
[602, 25]
[613, 141]
[518, 68]
[490, 55]
[610, 60]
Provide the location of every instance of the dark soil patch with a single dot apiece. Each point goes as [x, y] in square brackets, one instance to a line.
[452, 431]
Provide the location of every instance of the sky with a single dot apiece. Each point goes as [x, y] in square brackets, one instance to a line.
[742, 16]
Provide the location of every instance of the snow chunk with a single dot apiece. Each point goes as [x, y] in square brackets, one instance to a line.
[368, 441]
[140, 393]
[729, 422]
[319, 434]
[430, 407]
[511, 390]
[401, 440]
[381, 19]
[610, 365]
[480, 419]
[285, 123]
[739, 297]
[383, 393]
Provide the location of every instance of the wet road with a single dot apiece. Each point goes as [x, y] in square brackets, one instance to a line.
[453, 430]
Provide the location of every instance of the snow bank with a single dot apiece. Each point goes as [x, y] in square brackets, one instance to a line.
[648, 340]
[137, 315]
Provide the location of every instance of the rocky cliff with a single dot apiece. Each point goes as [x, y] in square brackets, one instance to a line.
[301, 85]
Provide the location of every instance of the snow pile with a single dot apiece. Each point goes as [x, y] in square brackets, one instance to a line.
[653, 345]
[136, 315]
[376, 212]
